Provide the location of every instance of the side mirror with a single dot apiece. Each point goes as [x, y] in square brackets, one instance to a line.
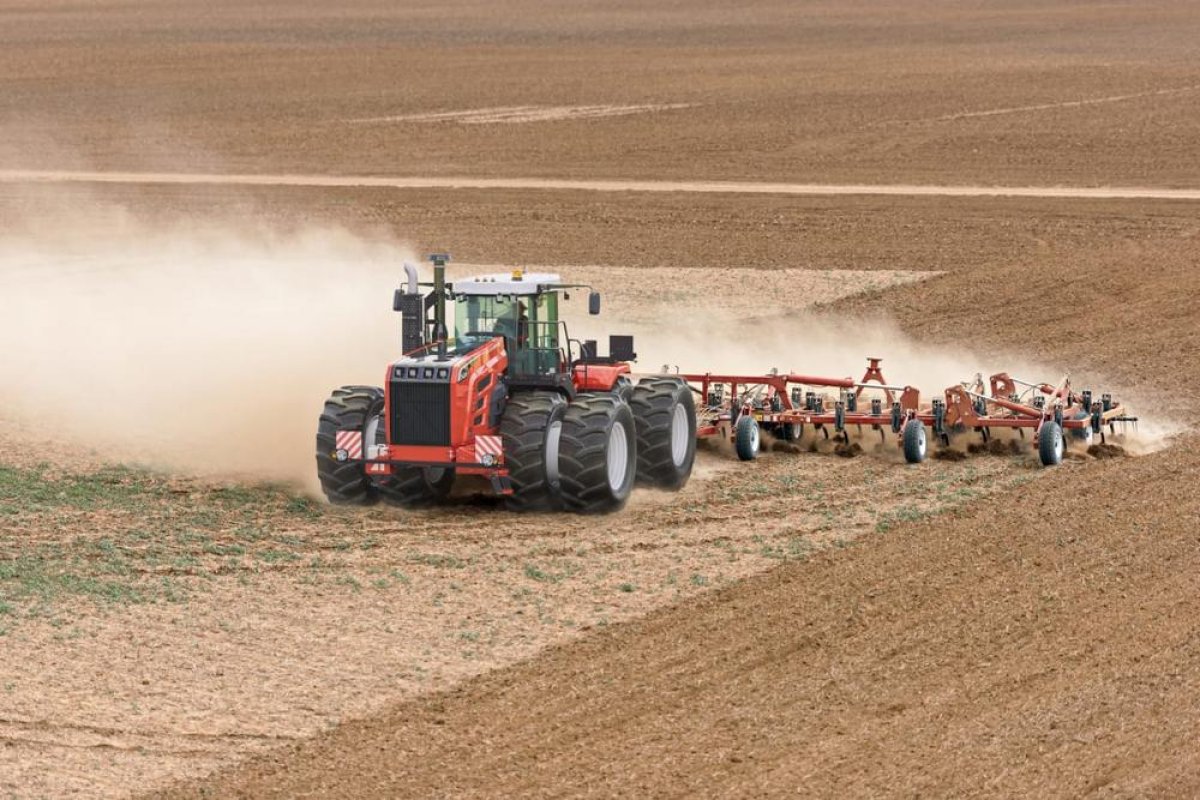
[593, 302]
[397, 302]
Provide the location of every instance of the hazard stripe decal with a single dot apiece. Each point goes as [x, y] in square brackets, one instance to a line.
[351, 442]
[488, 445]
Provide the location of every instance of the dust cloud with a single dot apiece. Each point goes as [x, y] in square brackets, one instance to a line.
[792, 338]
[787, 336]
[204, 345]
[211, 345]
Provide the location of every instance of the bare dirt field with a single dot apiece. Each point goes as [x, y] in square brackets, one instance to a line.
[911, 91]
[178, 613]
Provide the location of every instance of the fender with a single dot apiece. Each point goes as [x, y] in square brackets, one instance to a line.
[598, 377]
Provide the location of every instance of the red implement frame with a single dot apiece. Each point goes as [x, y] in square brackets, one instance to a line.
[780, 399]
[768, 399]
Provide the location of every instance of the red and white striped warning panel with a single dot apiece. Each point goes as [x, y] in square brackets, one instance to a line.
[488, 446]
[351, 442]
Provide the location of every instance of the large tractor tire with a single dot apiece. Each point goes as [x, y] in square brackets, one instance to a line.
[623, 388]
[664, 414]
[531, 429]
[598, 454]
[747, 439]
[416, 487]
[1050, 443]
[355, 408]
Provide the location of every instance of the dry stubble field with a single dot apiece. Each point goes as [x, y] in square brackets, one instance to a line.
[808, 624]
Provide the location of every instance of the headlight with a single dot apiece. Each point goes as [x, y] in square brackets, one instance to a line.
[341, 455]
[487, 459]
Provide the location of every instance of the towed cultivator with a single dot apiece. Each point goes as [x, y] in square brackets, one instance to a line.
[741, 407]
[548, 423]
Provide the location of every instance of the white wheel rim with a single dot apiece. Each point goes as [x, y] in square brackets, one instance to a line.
[1058, 443]
[434, 474]
[553, 438]
[754, 437]
[618, 456]
[921, 441]
[679, 435]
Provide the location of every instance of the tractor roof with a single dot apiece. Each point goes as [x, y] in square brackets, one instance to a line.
[507, 283]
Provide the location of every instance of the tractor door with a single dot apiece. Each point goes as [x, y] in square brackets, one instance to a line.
[540, 348]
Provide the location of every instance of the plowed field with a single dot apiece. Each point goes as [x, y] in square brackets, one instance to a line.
[180, 615]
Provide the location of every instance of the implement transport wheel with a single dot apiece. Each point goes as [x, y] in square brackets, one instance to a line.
[350, 408]
[914, 441]
[410, 487]
[1083, 435]
[664, 414]
[746, 438]
[1050, 443]
[531, 429]
[791, 431]
[597, 453]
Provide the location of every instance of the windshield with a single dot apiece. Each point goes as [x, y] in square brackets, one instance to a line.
[528, 323]
[481, 317]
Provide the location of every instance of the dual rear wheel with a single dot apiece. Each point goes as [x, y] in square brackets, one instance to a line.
[586, 455]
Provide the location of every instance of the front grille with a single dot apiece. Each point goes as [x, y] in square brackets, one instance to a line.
[420, 413]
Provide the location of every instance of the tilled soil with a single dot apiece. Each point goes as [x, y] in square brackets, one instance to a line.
[210, 640]
[1038, 643]
[810, 625]
[916, 92]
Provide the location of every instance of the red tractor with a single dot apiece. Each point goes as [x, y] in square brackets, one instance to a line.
[510, 397]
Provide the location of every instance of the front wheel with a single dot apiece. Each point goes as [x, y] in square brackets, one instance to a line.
[597, 454]
[409, 487]
[416, 487]
[347, 425]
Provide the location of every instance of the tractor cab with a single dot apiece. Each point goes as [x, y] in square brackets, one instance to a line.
[522, 308]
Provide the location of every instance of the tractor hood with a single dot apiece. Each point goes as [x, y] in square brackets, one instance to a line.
[425, 367]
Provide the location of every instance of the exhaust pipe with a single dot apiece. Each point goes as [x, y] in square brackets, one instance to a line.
[410, 272]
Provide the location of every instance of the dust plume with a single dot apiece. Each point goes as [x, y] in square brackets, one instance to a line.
[209, 346]
[786, 335]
